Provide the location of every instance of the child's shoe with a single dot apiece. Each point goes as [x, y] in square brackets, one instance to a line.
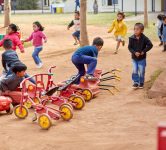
[161, 44]
[141, 86]
[116, 52]
[135, 86]
[90, 77]
[75, 43]
[39, 65]
[123, 43]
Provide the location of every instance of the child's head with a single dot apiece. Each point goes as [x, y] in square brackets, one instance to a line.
[164, 19]
[138, 29]
[7, 44]
[77, 15]
[19, 69]
[98, 42]
[160, 17]
[37, 26]
[120, 16]
[12, 28]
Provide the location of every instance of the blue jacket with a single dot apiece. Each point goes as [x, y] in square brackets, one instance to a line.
[87, 51]
[164, 32]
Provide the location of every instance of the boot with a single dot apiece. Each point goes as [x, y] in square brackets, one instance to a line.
[164, 48]
[161, 44]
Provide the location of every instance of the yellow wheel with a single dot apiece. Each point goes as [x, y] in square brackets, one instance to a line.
[36, 100]
[44, 121]
[71, 97]
[22, 114]
[28, 104]
[79, 102]
[66, 112]
[87, 94]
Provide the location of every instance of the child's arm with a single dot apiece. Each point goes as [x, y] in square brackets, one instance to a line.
[19, 44]
[70, 24]
[29, 39]
[44, 37]
[3, 62]
[130, 47]
[112, 27]
[149, 45]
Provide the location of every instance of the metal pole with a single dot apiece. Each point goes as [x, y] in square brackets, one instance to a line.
[135, 7]
[164, 7]
[122, 5]
[42, 6]
[114, 5]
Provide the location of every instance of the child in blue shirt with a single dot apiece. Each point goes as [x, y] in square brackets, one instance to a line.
[87, 55]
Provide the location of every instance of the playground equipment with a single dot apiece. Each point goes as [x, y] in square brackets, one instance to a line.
[162, 136]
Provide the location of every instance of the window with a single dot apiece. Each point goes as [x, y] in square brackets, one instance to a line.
[112, 2]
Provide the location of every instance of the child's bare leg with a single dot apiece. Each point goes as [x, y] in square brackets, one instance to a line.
[117, 47]
[75, 38]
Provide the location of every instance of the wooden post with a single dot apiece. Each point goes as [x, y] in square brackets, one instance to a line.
[84, 34]
[7, 12]
[145, 14]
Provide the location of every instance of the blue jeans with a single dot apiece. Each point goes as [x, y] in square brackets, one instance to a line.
[35, 54]
[79, 62]
[138, 75]
[77, 5]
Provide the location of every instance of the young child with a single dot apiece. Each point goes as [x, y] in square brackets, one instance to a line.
[163, 31]
[87, 55]
[37, 36]
[12, 82]
[139, 45]
[120, 30]
[76, 24]
[10, 59]
[14, 36]
[159, 25]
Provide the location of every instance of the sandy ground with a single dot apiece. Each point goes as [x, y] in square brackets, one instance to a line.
[126, 121]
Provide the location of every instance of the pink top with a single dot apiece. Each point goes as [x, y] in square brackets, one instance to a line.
[37, 37]
[15, 38]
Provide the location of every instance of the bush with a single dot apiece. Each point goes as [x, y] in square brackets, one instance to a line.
[27, 4]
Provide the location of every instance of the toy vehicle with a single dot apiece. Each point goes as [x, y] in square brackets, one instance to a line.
[43, 113]
[6, 104]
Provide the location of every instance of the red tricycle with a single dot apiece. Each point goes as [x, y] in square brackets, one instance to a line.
[43, 113]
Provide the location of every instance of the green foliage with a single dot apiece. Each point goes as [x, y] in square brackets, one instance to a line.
[27, 4]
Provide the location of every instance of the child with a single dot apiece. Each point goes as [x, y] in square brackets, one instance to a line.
[14, 36]
[159, 24]
[12, 82]
[76, 23]
[10, 59]
[87, 55]
[163, 31]
[139, 45]
[37, 36]
[120, 30]
[77, 4]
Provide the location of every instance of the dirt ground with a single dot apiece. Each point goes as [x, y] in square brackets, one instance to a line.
[125, 121]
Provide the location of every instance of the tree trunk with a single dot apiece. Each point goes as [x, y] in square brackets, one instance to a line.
[145, 14]
[7, 12]
[84, 35]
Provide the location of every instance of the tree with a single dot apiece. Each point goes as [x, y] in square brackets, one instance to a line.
[7, 12]
[84, 35]
[145, 14]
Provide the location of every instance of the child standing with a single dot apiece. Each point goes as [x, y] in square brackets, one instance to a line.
[120, 30]
[139, 45]
[163, 30]
[87, 55]
[159, 25]
[14, 36]
[76, 24]
[37, 36]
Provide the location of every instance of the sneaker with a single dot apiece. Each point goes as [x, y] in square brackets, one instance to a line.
[135, 85]
[141, 86]
[39, 65]
[90, 77]
[161, 44]
[75, 43]
[116, 52]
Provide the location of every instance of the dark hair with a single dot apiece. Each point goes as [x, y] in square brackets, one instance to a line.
[18, 67]
[41, 28]
[121, 13]
[160, 16]
[14, 27]
[164, 17]
[98, 41]
[140, 25]
[77, 12]
[7, 44]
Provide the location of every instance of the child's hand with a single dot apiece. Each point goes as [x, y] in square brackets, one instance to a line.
[142, 53]
[68, 28]
[22, 51]
[22, 41]
[45, 41]
[137, 54]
